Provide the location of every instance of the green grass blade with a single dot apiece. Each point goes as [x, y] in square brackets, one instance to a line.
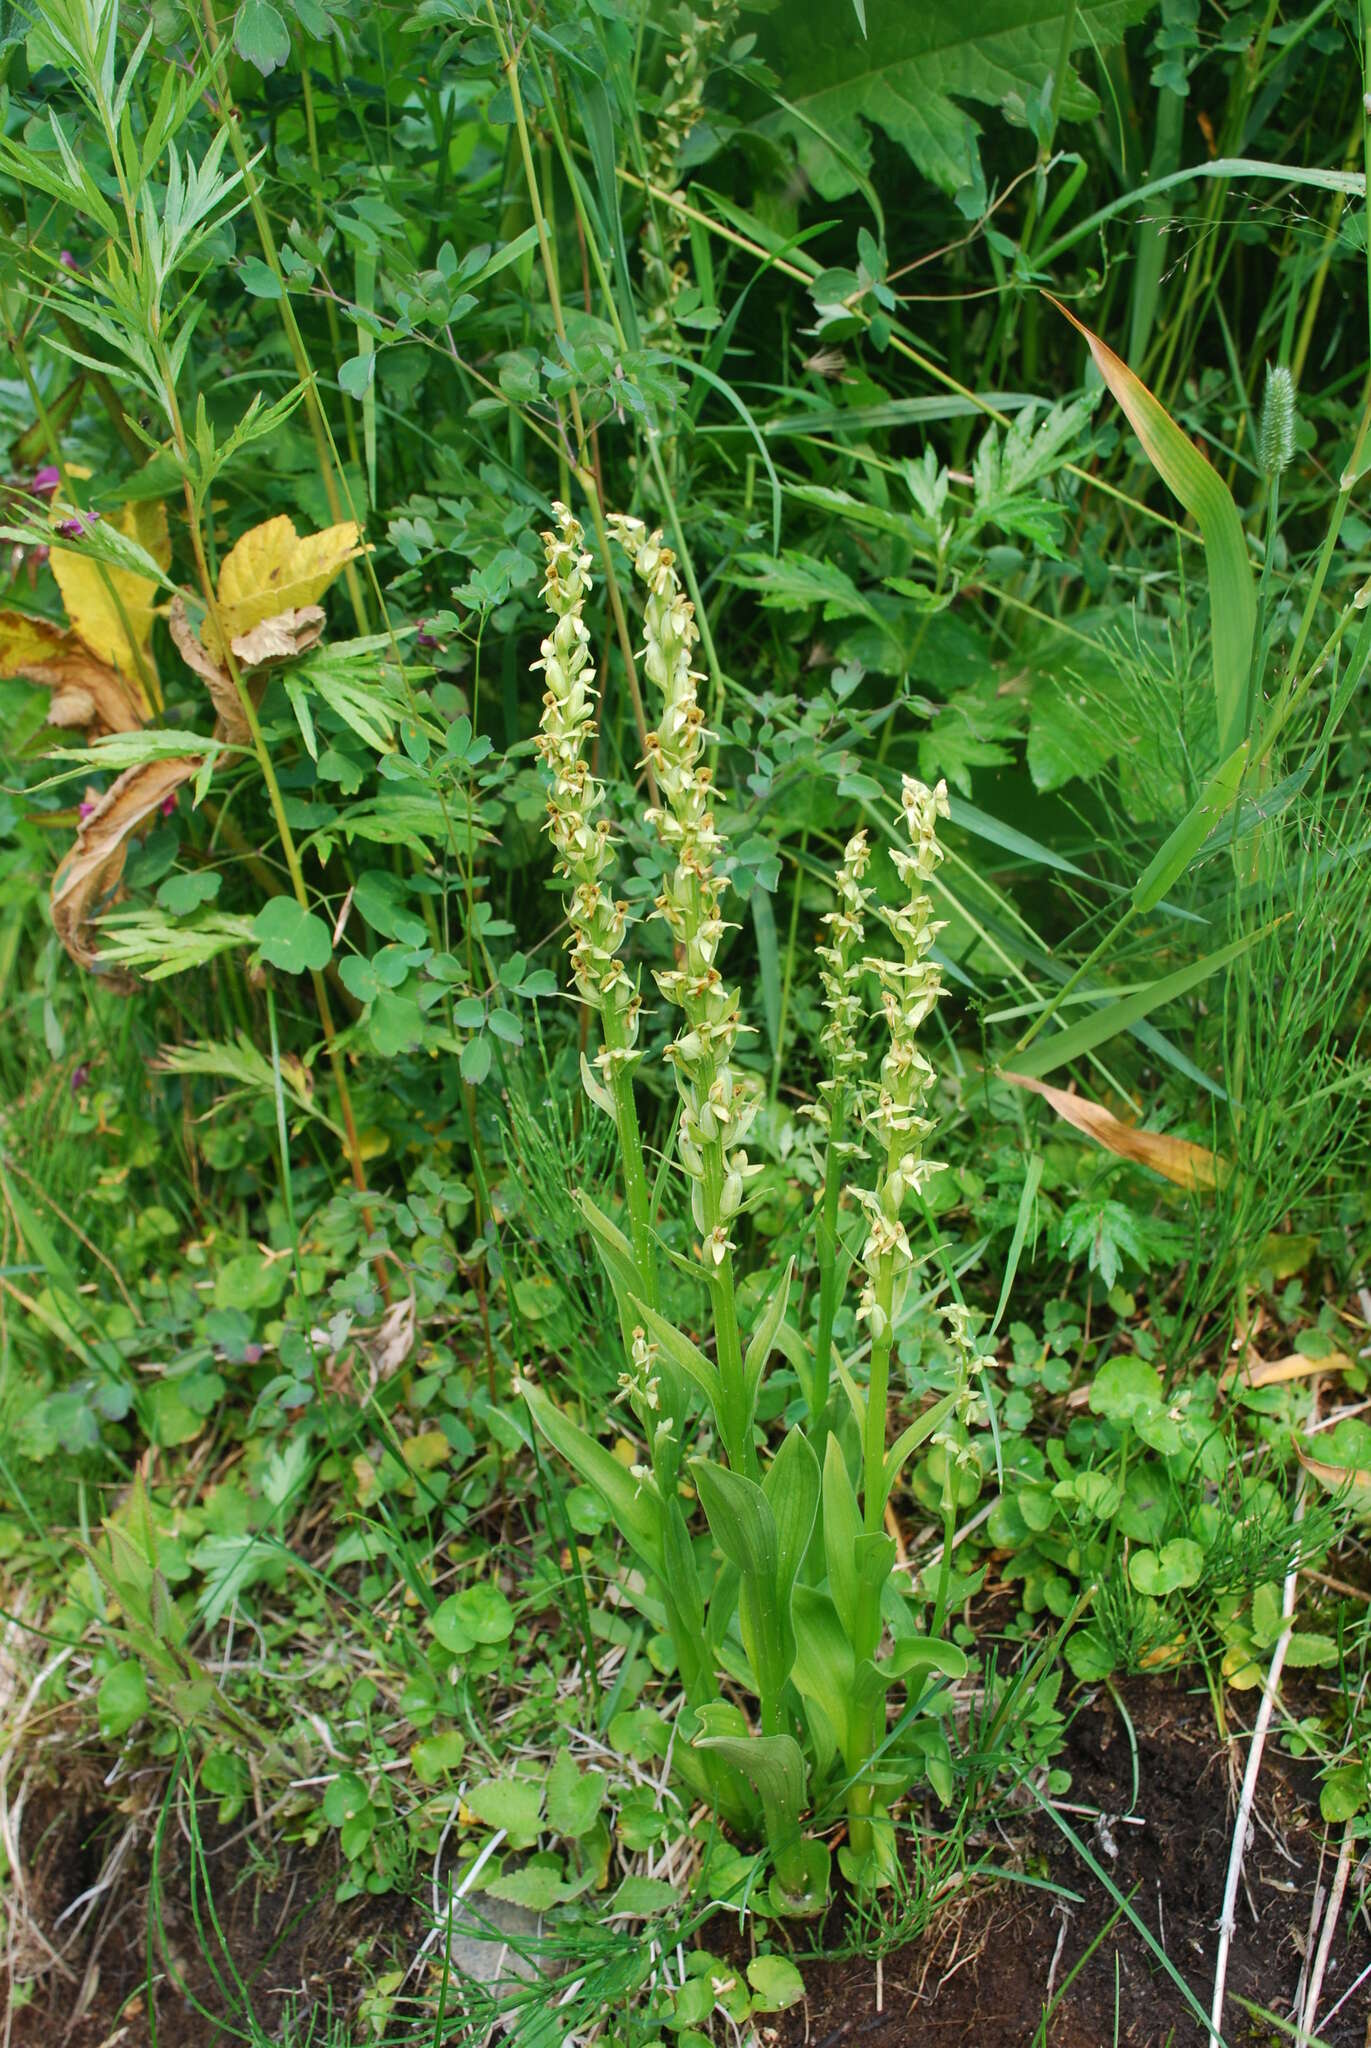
[1089, 1033]
[1205, 495]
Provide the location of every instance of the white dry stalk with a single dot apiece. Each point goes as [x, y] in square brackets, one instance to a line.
[1243, 1823]
[1329, 1929]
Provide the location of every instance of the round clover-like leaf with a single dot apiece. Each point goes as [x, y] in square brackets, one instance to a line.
[290, 937]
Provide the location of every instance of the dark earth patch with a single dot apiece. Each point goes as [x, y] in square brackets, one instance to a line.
[283, 1945]
[981, 1973]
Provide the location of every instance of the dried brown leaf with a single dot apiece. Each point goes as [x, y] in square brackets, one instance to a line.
[1336, 1477]
[280, 638]
[93, 869]
[232, 726]
[1176, 1159]
[1274, 1372]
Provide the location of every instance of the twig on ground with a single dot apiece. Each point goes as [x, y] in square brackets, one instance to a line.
[1330, 1927]
[1242, 1824]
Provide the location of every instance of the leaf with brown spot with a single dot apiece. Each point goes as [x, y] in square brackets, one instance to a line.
[93, 869]
[272, 569]
[1176, 1159]
[282, 638]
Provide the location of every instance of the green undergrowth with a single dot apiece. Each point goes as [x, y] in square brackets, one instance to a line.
[304, 1147]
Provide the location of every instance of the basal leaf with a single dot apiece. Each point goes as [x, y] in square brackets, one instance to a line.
[917, 63]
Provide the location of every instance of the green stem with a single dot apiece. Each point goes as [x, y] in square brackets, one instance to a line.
[878, 1391]
[827, 1234]
[631, 1149]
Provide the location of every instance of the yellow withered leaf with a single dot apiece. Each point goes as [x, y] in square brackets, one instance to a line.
[1176, 1159]
[273, 569]
[111, 610]
[86, 692]
[28, 643]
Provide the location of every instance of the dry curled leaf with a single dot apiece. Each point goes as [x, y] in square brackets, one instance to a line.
[93, 869]
[111, 610]
[273, 570]
[1189, 1166]
[390, 1343]
[86, 692]
[232, 725]
[280, 638]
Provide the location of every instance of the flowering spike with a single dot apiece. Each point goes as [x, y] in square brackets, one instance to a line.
[583, 840]
[718, 1101]
[910, 986]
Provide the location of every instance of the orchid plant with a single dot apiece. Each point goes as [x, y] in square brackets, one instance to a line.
[790, 1601]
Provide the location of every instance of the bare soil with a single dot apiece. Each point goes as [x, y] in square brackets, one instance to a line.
[282, 1946]
[982, 1973]
[995, 1956]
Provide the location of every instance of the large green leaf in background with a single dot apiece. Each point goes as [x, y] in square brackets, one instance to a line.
[919, 59]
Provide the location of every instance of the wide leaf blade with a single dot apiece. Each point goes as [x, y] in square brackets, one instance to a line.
[1207, 498]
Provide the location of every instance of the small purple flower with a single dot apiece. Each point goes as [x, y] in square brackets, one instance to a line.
[46, 480]
[86, 808]
[79, 1077]
[423, 638]
[68, 261]
[169, 805]
[79, 523]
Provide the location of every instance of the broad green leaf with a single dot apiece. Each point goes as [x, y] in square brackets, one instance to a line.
[537, 1885]
[687, 1357]
[290, 937]
[614, 1248]
[791, 1485]
[773, 1764]
[919, 63]
[122, 1698]
[919, 1654]
[1207, 498]
[514, 1804]
[776, 1983]
[842, 1527]
[619, 1490]
[1101, 1025]
[917, 1432]
[822, 1672]
[480, 1614]
[261, 36]
[740, 1518]
[574, 1796]
[434, 1756]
